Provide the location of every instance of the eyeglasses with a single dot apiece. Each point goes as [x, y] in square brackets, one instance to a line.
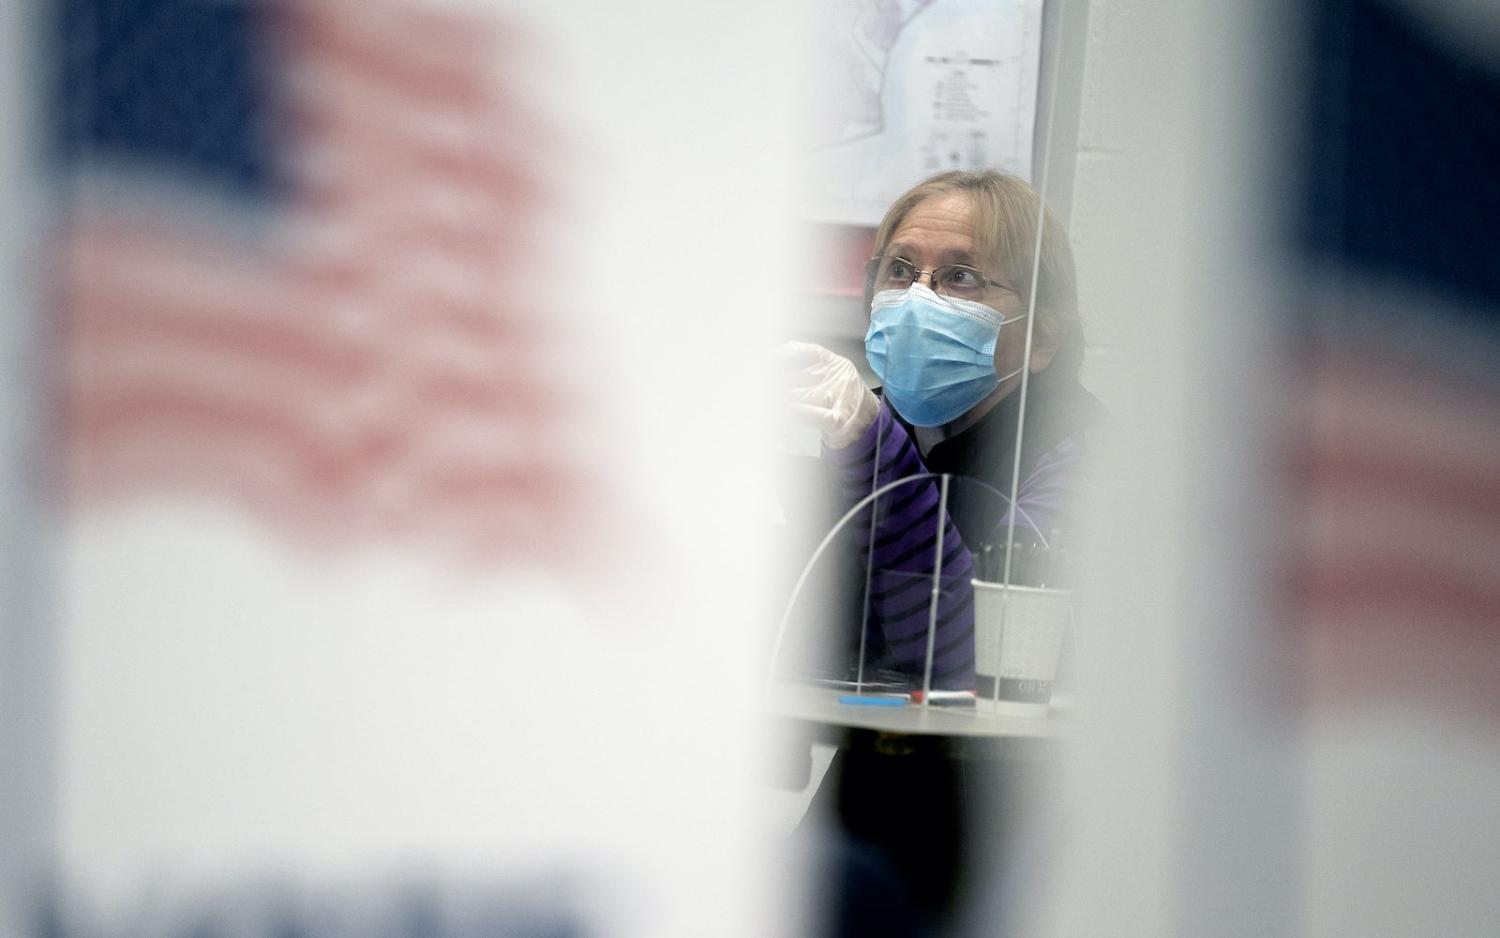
[898, 273]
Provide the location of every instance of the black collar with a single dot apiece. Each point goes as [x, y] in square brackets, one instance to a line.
[1057, 407]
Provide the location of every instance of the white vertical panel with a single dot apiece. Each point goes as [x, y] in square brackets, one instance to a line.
[1180, 800]
[27, 651]
[684, 110]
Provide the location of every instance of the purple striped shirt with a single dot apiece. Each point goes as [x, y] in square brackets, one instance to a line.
[901, 555]
[902, 547]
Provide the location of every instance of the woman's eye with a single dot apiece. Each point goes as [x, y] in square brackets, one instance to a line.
[899, 270]
[963, 277]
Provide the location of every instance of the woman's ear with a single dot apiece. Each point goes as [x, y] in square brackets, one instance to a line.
[1041, 357]
[1044, 347]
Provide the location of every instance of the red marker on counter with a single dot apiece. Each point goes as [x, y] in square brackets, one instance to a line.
[945, 698]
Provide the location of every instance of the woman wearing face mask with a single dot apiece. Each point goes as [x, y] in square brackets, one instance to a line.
[948, 292]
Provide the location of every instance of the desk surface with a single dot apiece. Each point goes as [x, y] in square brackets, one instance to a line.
[813, 704]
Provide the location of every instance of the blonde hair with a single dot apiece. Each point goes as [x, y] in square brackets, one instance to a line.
[1005, 220]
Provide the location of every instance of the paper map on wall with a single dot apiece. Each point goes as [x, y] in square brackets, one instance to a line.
[901, 89]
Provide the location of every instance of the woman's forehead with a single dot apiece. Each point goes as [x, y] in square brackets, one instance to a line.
[941, 227]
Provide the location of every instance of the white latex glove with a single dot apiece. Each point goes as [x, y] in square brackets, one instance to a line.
[826, 391]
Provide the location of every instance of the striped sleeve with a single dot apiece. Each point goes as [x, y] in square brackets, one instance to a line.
[899, 536]
[1048, 499]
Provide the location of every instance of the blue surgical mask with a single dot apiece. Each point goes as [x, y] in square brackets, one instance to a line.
[935, 355]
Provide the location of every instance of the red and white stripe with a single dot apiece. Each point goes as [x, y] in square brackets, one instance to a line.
[1399, 583]
[372, 363]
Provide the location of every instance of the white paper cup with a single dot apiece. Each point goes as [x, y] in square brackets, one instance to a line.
[1018, 637]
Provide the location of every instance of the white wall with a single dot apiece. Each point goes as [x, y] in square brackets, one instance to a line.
[1104, 79]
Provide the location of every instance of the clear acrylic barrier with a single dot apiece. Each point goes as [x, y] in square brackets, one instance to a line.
[914, 614]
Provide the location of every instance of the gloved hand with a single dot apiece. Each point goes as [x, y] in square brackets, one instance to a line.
[826, 391]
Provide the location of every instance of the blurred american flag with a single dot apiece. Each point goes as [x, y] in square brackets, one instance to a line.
[1397, 445]
[302, 271]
